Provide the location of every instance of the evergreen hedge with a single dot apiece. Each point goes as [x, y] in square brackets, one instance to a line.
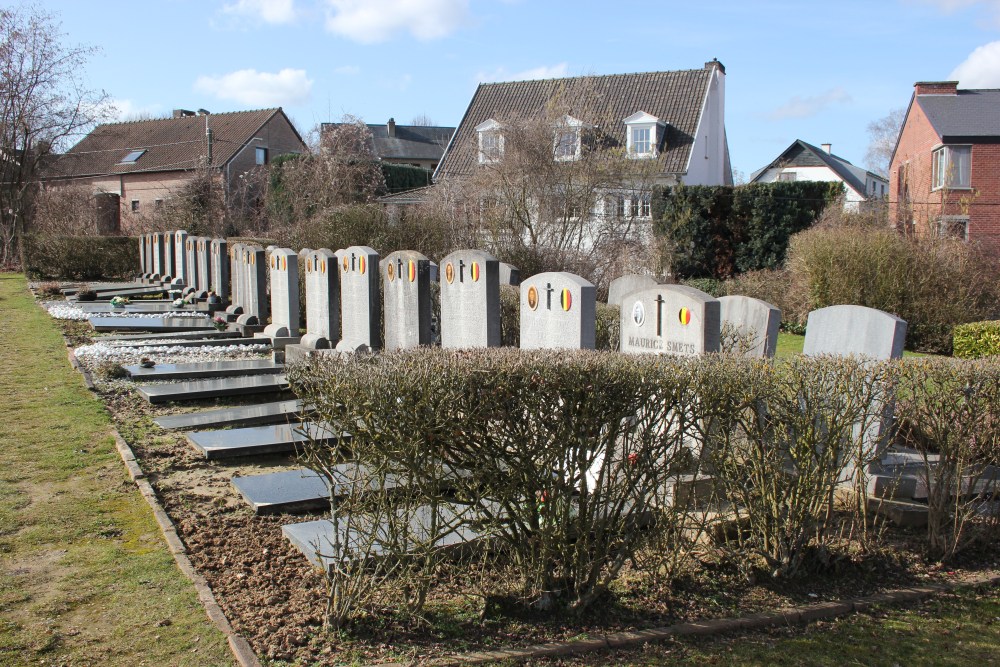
[719, 231]
[402, 177]
[977, 339]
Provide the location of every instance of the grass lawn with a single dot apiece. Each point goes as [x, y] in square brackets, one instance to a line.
[85, 576]
[789, 344]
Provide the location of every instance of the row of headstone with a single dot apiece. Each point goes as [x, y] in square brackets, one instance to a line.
[248, 273]
[195, 262]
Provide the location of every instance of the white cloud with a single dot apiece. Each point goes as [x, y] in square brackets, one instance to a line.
[981, 69]
[541, 72]
[991, 7]
[804, 107]
[371, 21]
[259, 89]
[268, 11]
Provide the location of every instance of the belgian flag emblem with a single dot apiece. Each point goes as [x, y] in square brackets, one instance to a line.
[412, 270]
[566, 300]
[362, 264]
[474, 271]
[684, 316]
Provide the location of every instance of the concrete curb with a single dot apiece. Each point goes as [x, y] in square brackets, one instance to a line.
[714, 627]
[238, 645]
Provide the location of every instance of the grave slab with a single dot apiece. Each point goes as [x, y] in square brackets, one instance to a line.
[208, 369]
[141, 307]
[151, 324]
[200, 389]
[258, 440]
[755, 321]
[193, 335]
[557, 312]
[287, 491]
[202, 342]
[278, 412]
[470, 300]
[670, 319]
[858, 330]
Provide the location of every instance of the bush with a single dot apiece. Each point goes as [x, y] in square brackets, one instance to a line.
[510, 316]
[775, 287]
[976, 339]
[81, 257]
[402, 177]
[933, 284]
[608, 322]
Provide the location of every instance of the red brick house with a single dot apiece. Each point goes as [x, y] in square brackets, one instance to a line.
[139, 164]
[944, 177]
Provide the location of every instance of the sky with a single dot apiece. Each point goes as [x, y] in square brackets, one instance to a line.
[799, 69]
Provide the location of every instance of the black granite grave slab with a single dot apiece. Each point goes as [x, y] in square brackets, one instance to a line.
[140, 307]
[288, 491]
[257, 440]
[198, 342]
[206, 369]
[279, 412]
[192, 335]
[198, 389]
[151, 324]
[130, 292]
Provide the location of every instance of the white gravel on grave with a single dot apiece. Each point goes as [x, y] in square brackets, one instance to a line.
[93, 355]
[61, 311]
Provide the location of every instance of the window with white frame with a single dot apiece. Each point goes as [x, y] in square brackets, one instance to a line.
[566, 141]
[633, 205]
[954, 227]
[490, 142]
[951, 167]
[787, 176]
[643, 134]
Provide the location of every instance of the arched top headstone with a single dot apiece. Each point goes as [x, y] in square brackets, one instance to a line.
[754, 321]
[470, 300]
[859, 330]
[627, 284]
[670, 319]
[558, 311]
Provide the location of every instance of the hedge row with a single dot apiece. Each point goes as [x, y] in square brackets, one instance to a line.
[718, 231]
[977, 339]
[81, 257]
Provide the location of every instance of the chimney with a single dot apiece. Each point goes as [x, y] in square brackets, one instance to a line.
[826, 147]
[181, 113]
[935, 88]
[715, 64]
[390, 127]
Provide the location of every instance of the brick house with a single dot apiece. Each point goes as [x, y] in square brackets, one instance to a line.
[804, 162]
[944, 176]
[414, 145]
[133, 167]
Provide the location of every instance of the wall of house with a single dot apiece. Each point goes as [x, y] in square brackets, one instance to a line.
[912, 166]
[707, 163]
[852, 199]
[145, 189]
[277, 136]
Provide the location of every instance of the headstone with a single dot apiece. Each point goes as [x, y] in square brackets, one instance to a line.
[236, 273]
[220, 268]
[148, 240]
[180, 257]
[284, 268]
[322, 299]
[360, 305]
[254, 284]
[754, 322]
[627, 284]
[670, 319]
[406, 282]
[143, 257]
[509, 274]
[191, 261]
[858, 330]
[558, 311]
[169, 256]
[203, 251]
[158, 247]
[470, 300]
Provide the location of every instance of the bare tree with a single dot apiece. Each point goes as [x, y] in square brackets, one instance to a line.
[423, 120]
[882, 136]
[43, 105]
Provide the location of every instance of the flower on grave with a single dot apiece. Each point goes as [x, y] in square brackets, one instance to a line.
[146, 362]
[220, 323]
[178, 302]
[118, 302]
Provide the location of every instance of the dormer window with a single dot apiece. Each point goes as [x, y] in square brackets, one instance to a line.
[567, 138]
[644, 134]
[490, 142]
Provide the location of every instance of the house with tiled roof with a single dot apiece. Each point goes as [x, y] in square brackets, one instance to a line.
[945, 171]
[142, 163]
[804, 162]
[414, 145]
[677, 117]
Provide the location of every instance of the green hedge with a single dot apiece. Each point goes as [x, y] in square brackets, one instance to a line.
[402, 177]
[81, 257]
[719, 231]
[977, 339]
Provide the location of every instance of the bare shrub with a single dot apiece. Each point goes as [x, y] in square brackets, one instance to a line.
[952, 409]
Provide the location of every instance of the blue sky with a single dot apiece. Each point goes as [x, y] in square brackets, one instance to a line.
[795, 70]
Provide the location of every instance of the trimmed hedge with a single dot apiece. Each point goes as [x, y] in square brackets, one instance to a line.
[402, 177]
[81, 257]
[718, 231]
[977, 339]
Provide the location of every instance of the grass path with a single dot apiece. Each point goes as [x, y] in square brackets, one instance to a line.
[85, 577]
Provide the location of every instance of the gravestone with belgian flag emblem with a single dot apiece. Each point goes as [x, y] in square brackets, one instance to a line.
[283, 265]
[670, 319]
[558, 311]
[360, 306]
[470, 300]
[322, 299]
[406, 285]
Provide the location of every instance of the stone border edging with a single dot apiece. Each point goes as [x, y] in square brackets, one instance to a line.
[238, 645]
[713, 627]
